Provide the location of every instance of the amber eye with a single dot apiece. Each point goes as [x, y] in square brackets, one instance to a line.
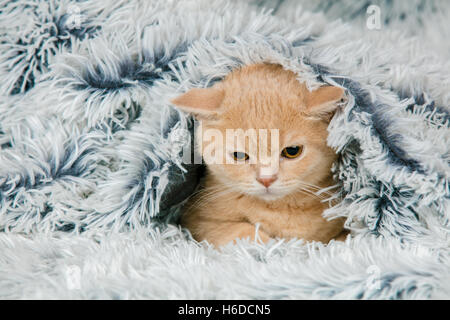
[240, 156]
[292, 152]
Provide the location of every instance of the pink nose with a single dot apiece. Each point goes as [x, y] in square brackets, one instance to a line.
[266, 182]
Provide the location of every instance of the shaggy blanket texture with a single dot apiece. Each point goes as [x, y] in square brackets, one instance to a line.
[92, 176]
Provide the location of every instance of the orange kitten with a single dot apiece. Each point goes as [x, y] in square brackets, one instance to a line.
[274, 179]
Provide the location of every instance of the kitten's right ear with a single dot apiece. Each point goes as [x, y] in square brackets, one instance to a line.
[201, 102]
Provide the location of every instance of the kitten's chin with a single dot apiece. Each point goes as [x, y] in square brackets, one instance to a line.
[269, 195]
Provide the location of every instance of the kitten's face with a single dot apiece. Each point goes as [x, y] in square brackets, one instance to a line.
[293, 158]
[289, 155]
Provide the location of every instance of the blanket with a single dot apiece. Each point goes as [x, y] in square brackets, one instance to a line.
[93, 170]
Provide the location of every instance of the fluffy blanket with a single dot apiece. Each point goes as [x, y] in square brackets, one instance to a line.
[92, 174]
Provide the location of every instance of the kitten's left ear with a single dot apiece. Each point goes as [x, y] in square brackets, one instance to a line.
[324, 101]
[201, 102]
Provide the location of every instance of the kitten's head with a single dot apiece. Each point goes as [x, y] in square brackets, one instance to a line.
[289, 154]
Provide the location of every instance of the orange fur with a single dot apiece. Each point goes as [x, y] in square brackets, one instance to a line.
[232, 201]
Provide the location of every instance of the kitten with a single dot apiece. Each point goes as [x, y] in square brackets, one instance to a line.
[276, 189]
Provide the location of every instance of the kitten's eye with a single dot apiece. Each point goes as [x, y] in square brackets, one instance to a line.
[292, 152]
[240, 156]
